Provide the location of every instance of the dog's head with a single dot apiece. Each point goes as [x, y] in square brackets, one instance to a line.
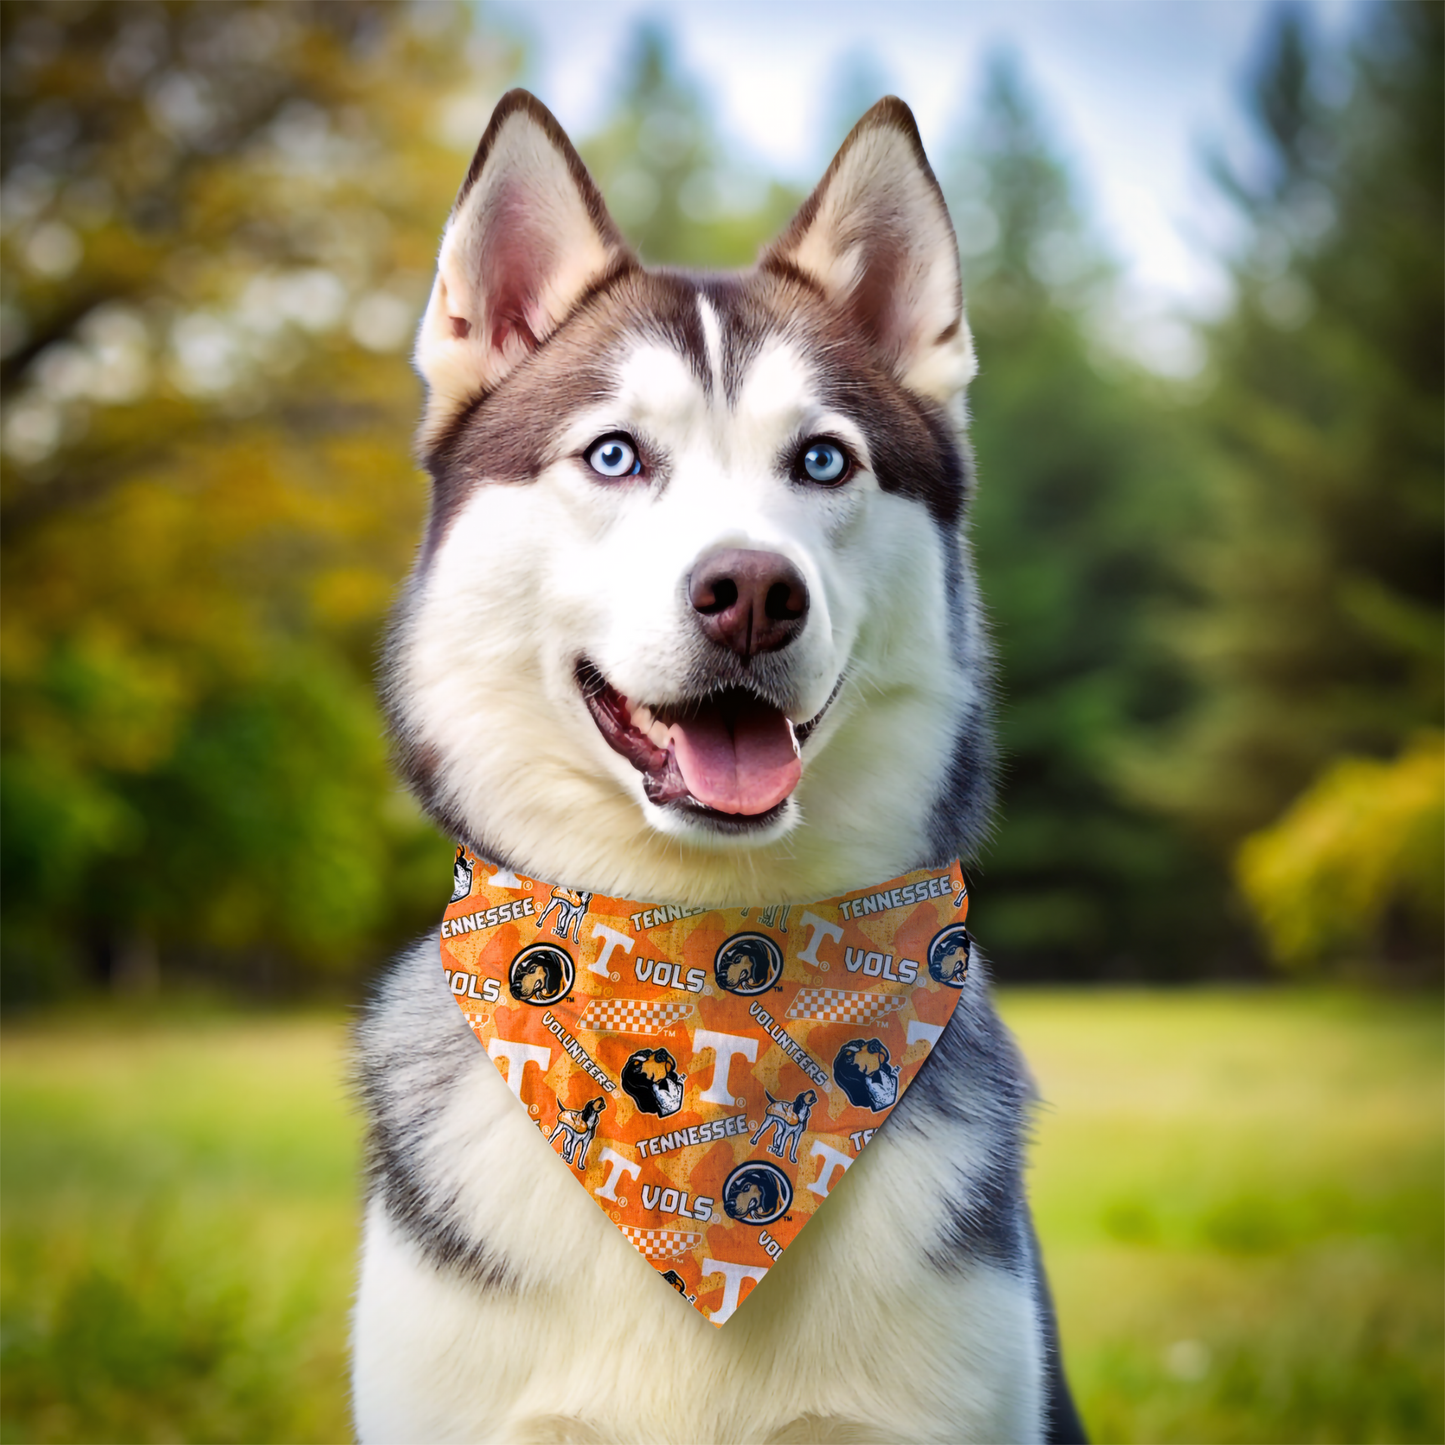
[864, 1074]
[869, 1058]
[651, 1080]
[693, 617]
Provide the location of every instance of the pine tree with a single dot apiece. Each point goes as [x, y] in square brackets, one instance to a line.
[1084, 484]
[1319, 628]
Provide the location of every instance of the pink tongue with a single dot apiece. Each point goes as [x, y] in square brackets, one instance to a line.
[743, 763]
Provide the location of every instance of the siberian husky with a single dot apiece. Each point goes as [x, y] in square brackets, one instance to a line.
[694, 620]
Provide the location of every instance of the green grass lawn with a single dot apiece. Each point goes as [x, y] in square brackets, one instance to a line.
[1239, 1194]
[1240, 1202]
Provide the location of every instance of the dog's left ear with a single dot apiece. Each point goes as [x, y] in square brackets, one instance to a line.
[528, 237]
[875, 235]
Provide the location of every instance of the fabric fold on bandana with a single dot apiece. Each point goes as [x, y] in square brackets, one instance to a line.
[708, 1075]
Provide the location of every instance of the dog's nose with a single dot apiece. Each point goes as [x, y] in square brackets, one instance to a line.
[749, 601]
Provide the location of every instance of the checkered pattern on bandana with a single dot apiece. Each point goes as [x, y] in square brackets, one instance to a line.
[687, 1066]
[839, 1006]
[632, 1016]
[660, 1243]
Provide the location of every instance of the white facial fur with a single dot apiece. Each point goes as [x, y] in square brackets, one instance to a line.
[530, 577]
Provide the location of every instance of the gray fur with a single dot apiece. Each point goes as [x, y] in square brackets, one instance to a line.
[413, 1050]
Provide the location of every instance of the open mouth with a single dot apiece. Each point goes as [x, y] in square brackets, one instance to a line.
[731, 757]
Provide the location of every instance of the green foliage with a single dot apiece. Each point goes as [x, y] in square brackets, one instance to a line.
[1081, 478]
[218, 232]
[1239, 1197]
[1319, 626]
[218, 228]
[1362, 847]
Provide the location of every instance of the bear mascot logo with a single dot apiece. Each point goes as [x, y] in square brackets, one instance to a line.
[541, 974]
[948, 955]
[757, 1193]
[652, 1082]
[747, 964]
[865, 1075]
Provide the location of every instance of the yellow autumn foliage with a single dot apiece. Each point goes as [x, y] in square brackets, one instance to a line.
[1365, 842]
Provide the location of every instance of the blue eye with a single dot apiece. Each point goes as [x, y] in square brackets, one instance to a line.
[824, 462]
[614, 457]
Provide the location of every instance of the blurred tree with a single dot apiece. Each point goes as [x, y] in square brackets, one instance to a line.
[659, 163]
[1353, 868]
[1085, 486]
[218, 225]
[1319, 629]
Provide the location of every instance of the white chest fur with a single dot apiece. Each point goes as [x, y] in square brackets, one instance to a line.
[855, 1335]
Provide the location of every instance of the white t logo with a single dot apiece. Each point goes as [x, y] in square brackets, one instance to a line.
[821, 929]
[618, 1169]
[733, 1275]
[832, 1160]
[728, 1046]
[917, 1029]
[518, 1056]
[612, 941]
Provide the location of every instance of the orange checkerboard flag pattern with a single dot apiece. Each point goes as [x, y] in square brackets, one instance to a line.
[707, 1075]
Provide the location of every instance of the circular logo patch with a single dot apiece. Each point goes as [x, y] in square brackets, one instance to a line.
[748, 963]
[948, 955]
[541, 975]
[757, 1193]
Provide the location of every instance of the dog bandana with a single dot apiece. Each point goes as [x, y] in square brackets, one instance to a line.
[708, 1075]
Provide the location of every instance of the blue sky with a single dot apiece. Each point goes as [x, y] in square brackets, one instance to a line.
[1131, 89]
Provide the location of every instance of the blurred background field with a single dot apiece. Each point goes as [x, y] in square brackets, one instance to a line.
[1240, 1194]
[1210, 533]
[1214, 578]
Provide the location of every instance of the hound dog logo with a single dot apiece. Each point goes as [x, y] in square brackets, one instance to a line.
[541, 975]
[865, 1075]
[673, 1278]
[571, 910]
[787, 1122]
[461, 876]
[948, 955]
[757, 1192]
[748, 963]
[652, 1082]
[578, 1126]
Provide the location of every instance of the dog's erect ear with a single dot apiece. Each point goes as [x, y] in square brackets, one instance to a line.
[876, 236]
[529, 235]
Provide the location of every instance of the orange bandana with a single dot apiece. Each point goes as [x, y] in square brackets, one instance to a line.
[708, 1074]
